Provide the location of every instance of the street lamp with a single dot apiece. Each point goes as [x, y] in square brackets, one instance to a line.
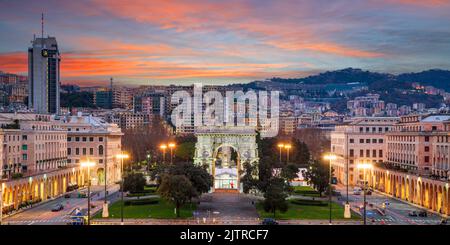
[163, 147]
[2, 185]
[329, 157]
[87, 164]
[287, 147]
[364, 166]
[121, 156]
[171, 146]
[281, 147]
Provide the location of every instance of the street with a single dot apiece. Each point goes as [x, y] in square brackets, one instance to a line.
[42, 214]
[396, 211]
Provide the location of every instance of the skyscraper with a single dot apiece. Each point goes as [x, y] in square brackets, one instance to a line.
[44, 77]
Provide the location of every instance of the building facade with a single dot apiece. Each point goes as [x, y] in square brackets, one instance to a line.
[360, 140]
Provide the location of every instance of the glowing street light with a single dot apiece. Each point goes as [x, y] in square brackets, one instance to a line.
[329, 157]
[281, 146]
[163, 147]
[121, 156]
[88, 164]
[171, 146]
[287, 147]
[364, 166]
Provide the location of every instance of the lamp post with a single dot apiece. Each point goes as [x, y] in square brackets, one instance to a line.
[281, 147]
[121, 157]
[364, 166]
[148, 160]
[1, 202]
[87, 164]
[163, 147]
[329, 157]
[171, 146]
[287, 147]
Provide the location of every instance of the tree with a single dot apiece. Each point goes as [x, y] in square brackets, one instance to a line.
[177, 189]
[134, 182]
[289, 172]
[201, 180]
[318, 175]
[185, 151]
[249, 177]
[275, 196]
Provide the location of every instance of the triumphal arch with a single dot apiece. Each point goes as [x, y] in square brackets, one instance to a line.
[224, 149]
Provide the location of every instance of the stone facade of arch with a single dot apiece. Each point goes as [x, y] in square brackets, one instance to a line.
[211, 139]
[428, 193]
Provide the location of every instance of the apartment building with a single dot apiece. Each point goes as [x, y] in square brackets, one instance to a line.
[360, 140]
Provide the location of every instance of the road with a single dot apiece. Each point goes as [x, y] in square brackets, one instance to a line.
[396, 212]
[42, 214]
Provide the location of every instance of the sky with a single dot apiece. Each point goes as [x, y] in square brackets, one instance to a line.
[145, 42]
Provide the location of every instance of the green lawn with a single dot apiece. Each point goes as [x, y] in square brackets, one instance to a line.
[296, 211]
[305, 191]
[160, 210]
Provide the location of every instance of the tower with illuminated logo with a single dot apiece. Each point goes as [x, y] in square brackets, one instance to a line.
[44, 76]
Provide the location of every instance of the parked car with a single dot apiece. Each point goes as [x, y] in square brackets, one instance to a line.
[412, 214]
[58, 207]
[357, 191]
[67, 195]
[269, 221]
[423, 213]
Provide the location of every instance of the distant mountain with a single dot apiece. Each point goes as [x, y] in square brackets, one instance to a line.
[376, 81]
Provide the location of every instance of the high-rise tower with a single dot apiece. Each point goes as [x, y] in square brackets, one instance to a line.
[44, 74]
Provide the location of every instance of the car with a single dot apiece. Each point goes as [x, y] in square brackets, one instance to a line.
[58, 207]
[443, 222]
[413, 214]
[423, 213]
[369, 192]
[269, 221]
[67, 195]
[357, 191]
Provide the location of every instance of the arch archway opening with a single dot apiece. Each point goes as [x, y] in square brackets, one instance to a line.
[226, 168]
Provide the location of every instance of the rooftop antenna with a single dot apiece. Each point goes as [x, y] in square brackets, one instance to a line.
[42, 25]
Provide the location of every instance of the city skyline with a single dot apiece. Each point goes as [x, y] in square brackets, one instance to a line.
[215, 42]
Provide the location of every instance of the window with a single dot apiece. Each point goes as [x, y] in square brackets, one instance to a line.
[427, 138]
[91, 151]
[374, 153]
[69, 151]
[24, 147]
[100, 150]
[351, 153]
[434, 128]
[352, 141]
[427, 159]
[77, 151]
[361, 153]
[367, 153]
[24, 137]
[25, 157]
[427, 148]
[361, 129]
[77, 139]
[69, 139]
[380, 141]
[100, 138]
[84, 139]
[361, 141]
[374, 141]
[380, 153]
[91, 139]
[84, 151]
[368, 141]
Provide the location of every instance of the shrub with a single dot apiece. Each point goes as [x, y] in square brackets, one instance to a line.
[148, 201]
[309, 202]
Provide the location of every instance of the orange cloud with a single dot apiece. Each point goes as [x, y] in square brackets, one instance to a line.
[421, 3]
[329, 48]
